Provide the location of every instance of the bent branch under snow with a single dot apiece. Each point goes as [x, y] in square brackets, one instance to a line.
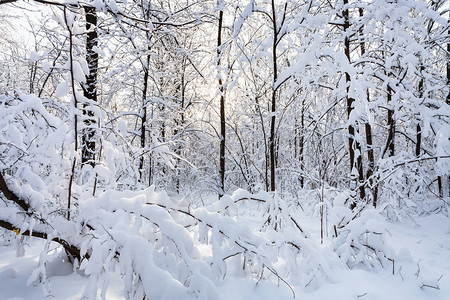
[10, 195]
[70, 249]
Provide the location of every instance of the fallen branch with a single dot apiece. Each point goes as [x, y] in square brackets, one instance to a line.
[430, 286]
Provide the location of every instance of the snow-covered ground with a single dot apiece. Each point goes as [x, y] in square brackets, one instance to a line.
[422, 271]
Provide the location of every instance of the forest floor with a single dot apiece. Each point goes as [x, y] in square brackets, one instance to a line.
[422, 271]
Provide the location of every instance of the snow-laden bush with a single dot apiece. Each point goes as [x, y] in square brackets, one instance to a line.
[361, 242]
[286, 246]
[357, 236]
[139, 233]
[407, 190]
[31, 143]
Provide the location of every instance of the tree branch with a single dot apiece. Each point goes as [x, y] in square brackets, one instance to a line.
[70, 249]
[11, 196]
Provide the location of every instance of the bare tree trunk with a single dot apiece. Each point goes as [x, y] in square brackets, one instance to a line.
[390, 142]
[222, 110]
[180, 124]
[391, 124]
[302, 145]
[352, 143]
[418, 127]
[440, 187]
[266, 152]
[180, 90]
[89, 89]
[274, 96]
[143, 112]
[371, 158]
[448, 70]
[369, 141]
[144, 117]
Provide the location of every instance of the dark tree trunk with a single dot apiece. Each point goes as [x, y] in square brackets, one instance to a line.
[89, 89]
[144, 118]
[222, 110]
[302, 145]
[371, 166]
[418, 127]
[419, 139]
[273, 102]
[391, 123]
[180, 124]
[352, 143]
[369, 141]
[390, 142]
[440, 187]
[143, 112]
[448, 70]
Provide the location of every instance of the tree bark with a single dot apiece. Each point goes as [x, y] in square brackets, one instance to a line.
[418, 127]
[368, 131]
[391, 124]
[390, 142]
[302, 145]
[440, 186]
[222, 110]
[89, 89]
[273, 102]
[353, 144]
[448, 70]
[180, 90]
[143, 112]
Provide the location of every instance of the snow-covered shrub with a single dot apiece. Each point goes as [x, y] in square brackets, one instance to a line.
[291, 250]
[358, 234]
[139, 232]
[32, 144]
[408, 187]
[362, 241]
